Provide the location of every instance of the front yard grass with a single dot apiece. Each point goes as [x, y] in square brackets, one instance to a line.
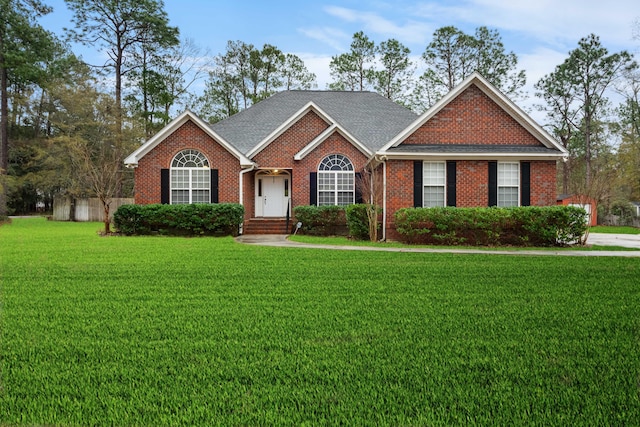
[206, 331]
[614, 230]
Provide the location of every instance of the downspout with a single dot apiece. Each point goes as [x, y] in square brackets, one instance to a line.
[383, 160]
[241, 192]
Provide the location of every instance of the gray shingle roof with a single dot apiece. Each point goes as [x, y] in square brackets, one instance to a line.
[370, 118]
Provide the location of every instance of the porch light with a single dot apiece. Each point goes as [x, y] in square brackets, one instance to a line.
[275, 171]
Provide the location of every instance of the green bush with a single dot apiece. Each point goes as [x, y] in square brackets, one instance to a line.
[321, 220]
[358, 221]
[191, 220]
[520, 226]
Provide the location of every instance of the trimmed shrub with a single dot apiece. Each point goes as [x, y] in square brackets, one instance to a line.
[186, 220]
[321, 220]
[519, 226]
[358, 221]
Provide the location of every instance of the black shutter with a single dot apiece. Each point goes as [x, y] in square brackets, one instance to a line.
[451, 183]
[493, 183]
[214, 185]
[164, 187]
[525, 183]
[359, 183]
[418, 191]
[313, 188]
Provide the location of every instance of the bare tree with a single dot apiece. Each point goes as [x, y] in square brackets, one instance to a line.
[89, 128]
[369, 183]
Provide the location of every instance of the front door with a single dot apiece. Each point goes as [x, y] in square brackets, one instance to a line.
[274, 195]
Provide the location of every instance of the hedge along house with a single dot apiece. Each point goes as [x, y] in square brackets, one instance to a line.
[473, 148]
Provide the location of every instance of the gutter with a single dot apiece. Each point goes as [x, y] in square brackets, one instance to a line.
[383, 159]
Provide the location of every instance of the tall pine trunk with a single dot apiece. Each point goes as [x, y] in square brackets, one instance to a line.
[4, 133]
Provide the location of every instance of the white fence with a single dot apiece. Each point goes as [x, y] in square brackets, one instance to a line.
[69, 209]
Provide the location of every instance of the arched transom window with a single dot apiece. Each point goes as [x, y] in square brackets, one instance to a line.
[190, 178]
[336, 181]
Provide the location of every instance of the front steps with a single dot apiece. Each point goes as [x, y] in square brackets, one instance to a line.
[266, 226]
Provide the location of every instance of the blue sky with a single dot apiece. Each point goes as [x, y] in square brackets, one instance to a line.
[540, 32]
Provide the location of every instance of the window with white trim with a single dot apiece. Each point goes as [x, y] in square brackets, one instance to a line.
[433, 181]
[190, 178]
[336, 181]
[508, 184]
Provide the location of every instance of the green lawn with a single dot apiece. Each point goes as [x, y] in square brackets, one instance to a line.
[615, 230]
[206, 331]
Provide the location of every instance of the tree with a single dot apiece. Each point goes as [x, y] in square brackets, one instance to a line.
[561, 112]
[397, 70]
[453, 56]
[121, 27]
[295, 74]
[23, 45]
[449, 57]
[221, 97]
[354, 70]
[88, 127]
[163, 81]
[370, 185]
[237, 62]
[244, 75]
[266, 65]
[496, 65]
[37, 169]
[577, 90]
[629, 150]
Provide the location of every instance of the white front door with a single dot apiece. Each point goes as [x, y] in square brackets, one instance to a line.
[274, 197]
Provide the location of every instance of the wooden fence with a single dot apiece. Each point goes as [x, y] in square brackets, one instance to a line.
[69, 209]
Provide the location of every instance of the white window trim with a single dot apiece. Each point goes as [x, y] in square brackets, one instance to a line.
[518, 186]
[425, 184]
[336, 173]
[190, 188]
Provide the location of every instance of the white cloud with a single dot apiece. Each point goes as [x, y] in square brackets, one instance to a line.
[411, 31]
[319, 65]
[555, 23]
[333, 37]
[539, 63]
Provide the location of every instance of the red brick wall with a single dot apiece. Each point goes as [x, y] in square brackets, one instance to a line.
[188, 136]
[399, 192]
[472, 118]
[471, 186]
[543, 183]
[279, 154]
[248, 185]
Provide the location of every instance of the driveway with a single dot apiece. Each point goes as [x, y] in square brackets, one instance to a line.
[625, 240]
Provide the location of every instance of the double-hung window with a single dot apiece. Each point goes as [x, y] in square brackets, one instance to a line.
[336, 181]
[434, 181]
[508, 184]
[190, 178]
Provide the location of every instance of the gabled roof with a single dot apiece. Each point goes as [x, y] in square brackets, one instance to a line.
[370, 119]
[334, 126]
[133, 158]
[554, 149]
[326, 134]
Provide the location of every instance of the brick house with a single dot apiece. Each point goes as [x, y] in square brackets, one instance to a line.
[473, 148]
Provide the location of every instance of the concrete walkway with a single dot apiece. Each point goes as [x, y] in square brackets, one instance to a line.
[626, 240]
